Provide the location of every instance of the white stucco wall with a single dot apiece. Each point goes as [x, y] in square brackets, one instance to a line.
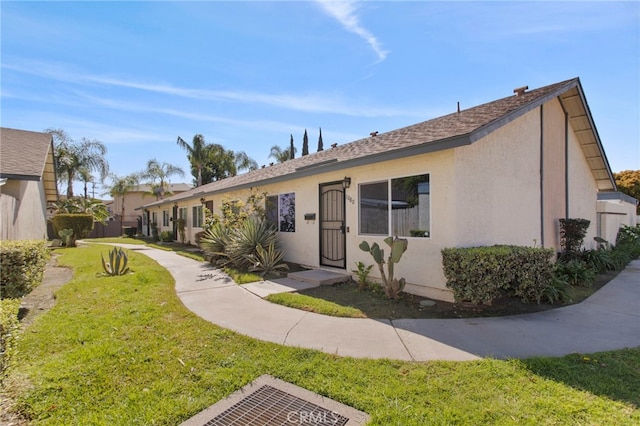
[23, 210]
[611, 215]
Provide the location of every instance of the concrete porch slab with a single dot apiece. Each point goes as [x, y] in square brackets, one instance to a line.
[280, 285]
[320, 277]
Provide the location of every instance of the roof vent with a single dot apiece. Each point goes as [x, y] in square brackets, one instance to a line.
[373, 134]
[333, 145]
[520, 90]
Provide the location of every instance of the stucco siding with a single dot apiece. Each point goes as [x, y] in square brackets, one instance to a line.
[554, 183]
[583, 190]
[23, 210]
[498, 186]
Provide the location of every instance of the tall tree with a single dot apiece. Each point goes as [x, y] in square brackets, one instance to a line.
[196, 153]
[292, 149]
[305, 143]
[158, 176]
[75, 159]
[244, 162]
[628, 182]
[120, 186]
[280, 155]
[320, 144]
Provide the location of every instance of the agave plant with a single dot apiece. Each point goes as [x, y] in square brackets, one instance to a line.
[245, 240]
[214, 242]
[267, 260]
[117, 264]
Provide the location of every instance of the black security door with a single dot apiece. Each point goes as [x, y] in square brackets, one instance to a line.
[332, 225]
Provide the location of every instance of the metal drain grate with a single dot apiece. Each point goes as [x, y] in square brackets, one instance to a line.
[268, 401]
[271, 406]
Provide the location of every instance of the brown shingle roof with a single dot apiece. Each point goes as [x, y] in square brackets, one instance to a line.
[23, 154]
[448, 131]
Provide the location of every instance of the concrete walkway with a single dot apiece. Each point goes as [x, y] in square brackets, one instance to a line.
[608, 320]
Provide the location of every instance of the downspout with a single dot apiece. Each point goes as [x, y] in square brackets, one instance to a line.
[542, 175]
[566, 165]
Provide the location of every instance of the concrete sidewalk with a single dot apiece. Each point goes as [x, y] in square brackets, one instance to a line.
[608, 320]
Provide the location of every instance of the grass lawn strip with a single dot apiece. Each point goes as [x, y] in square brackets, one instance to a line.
[124, 350]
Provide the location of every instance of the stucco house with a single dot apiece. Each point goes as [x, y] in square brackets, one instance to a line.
[27, 183]
[503, 172]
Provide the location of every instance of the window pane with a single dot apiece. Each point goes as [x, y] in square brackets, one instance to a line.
[374, 208]
[271, 210]
[410, 207]
[288, 212]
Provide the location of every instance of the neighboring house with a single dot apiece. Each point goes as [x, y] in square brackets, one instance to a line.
[503, 172]
[27, 183]
[136, 198]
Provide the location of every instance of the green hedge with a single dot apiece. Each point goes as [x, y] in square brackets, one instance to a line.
[9, 327]
[81, 223]
[129, 231]
[22, 264]
[482, 274]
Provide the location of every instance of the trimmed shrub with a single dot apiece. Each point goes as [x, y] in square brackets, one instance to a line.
[129, 231]
[482, 274]
[166, 236]
[572, 233]
[22, 264]
[82, 224]
[9, 327]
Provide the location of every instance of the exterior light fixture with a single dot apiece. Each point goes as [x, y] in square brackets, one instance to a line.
[346, 182]
[202, 200]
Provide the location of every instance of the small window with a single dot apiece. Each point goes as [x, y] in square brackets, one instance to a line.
[374, 208]
[154, 218]
[280, 211]
[182, 213]
[197, 216]
[165, 218]
[401, 204]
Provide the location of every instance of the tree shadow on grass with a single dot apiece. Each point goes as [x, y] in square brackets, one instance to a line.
[614, 374]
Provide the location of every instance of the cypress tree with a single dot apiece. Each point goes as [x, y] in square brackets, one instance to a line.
[292, 150]
[305, 143]
[320, 147]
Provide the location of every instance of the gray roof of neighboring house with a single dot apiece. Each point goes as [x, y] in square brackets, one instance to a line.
[27, 155]
[449, 131]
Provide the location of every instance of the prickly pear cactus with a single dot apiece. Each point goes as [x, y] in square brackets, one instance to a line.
[392, 286]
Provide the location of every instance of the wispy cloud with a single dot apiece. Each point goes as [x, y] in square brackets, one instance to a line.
[345, 12]
[310, 102]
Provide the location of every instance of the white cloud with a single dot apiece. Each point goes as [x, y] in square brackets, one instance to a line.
[345, 13]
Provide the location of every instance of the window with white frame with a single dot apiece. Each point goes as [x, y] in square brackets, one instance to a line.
[401, 205]
[165, 218]
[280, 211]
[154, 218]
[196, 214]
[182, 214]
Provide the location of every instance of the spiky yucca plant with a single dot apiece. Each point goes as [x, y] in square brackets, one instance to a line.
[245, 240]
[117, 264]
[267, 260]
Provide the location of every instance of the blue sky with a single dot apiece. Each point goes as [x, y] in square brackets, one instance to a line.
[246, 75]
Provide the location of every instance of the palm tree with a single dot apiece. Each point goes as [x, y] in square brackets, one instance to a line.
[77, 159]
[281, 155]
[120, 186]
[158, 175]
[244, 162]
[196, 153]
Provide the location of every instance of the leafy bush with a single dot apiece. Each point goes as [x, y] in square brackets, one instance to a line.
[572, 233]
[558, 291]
[599, 260]
[81, 223]
[482, 274]
[129, 231]
[22, 264]
[166, 236]
[9, 326]
[154, 231]
[575, 272]
[362, 272]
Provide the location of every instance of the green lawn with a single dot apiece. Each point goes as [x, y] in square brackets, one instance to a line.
[124, 350]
